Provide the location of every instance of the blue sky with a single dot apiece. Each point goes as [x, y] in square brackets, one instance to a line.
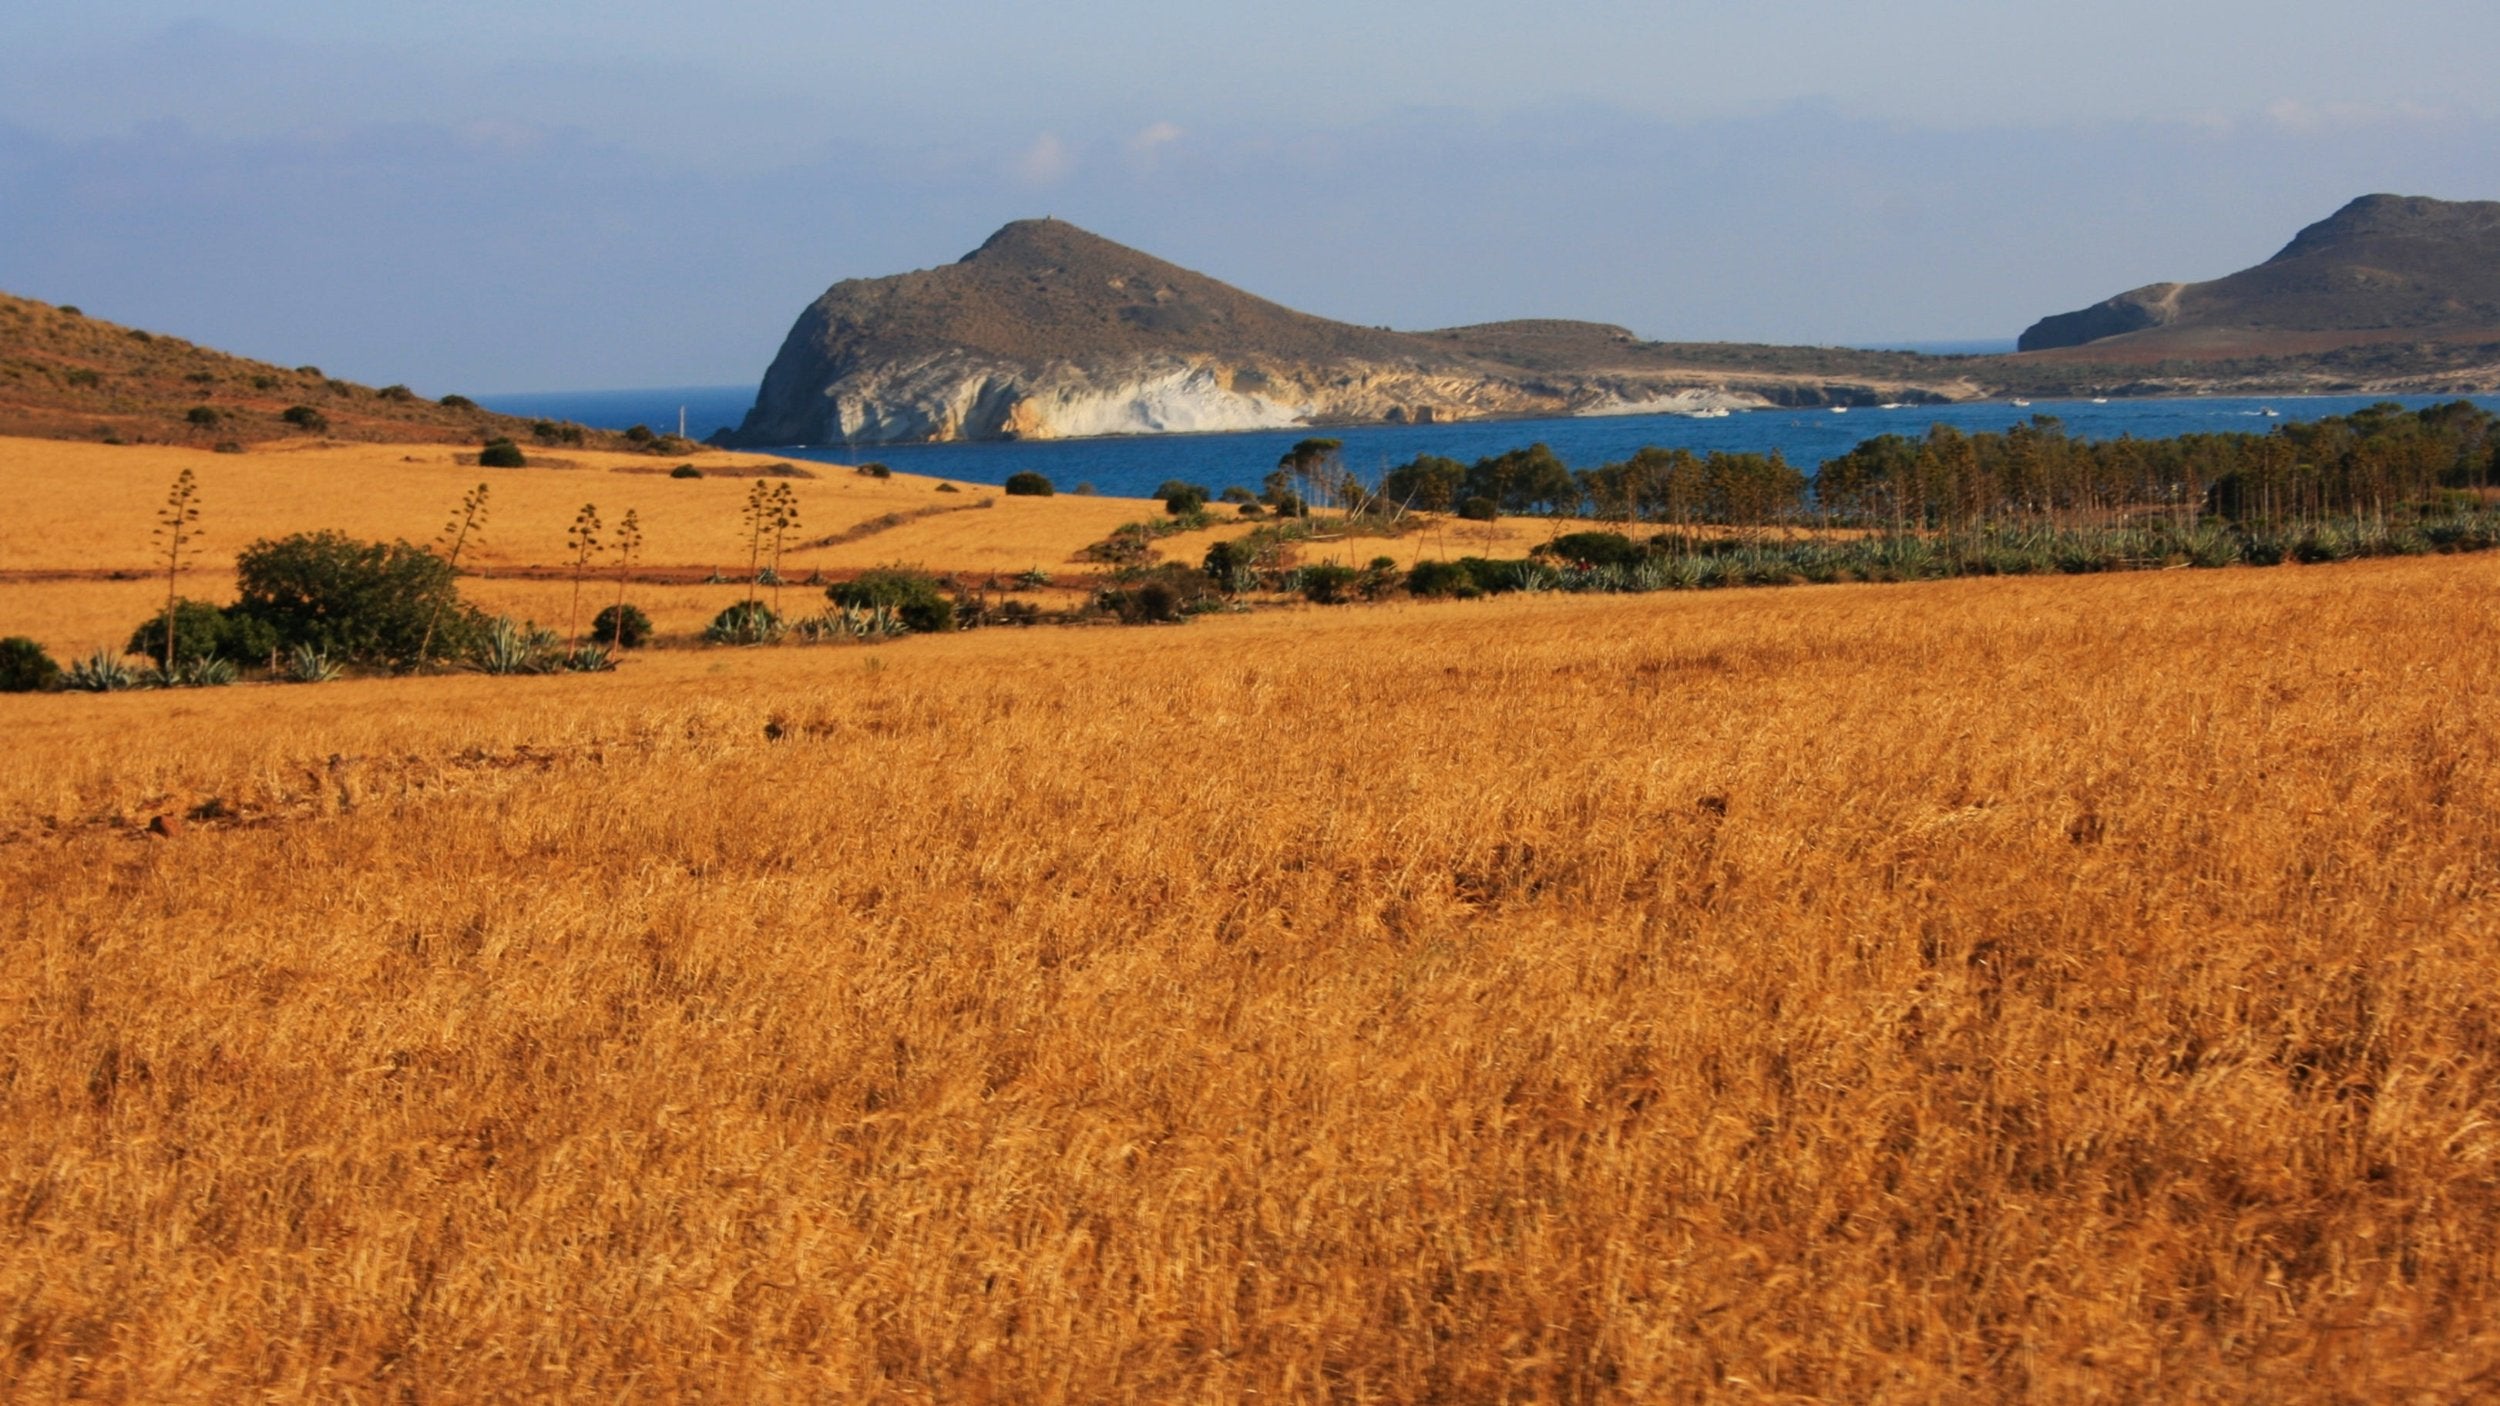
[491, 198]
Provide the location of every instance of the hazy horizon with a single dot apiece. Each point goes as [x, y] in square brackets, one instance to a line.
[466, 199]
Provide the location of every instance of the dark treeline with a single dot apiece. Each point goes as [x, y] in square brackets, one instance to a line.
[2374, 460]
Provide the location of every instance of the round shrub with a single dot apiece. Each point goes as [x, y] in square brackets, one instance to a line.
[304, 417]
[203, 416]
[621, 626]
[685, 471]
[1328, 583]
[1593, 549]
[202, 631]
[873, 469]
[353, 601]
[1028, 484]
[457, 402]
[502, 454]
[1185, 502]
[1441, 578]
[1479, 510]
[24, 667]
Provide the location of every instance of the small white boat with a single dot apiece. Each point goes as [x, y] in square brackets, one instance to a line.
[1840, 409]
[2100, 400]
[2271, 413]
[1887, 405]
[2021, 404]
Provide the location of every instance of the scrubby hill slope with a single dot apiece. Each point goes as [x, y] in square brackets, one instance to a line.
[64, 375]
[2385, 268]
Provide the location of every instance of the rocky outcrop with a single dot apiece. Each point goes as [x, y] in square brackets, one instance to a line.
[2128, 312]
[1048, 332]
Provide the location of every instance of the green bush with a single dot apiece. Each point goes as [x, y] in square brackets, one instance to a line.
[1167, 593]
[1442, 578]
[1593, 549]
[873, 469]
[202, 631]
[353, 601]
[1028, 484]
[304, 417]
[502, 454]
[457, 402]
[203, 417]
[1328, 583]
[397, 394]
[1479, 510]
[685, 471]
[24, 667]
[1231, 566]
[912, 594]
[624, 626]
[1185, 502]
[747, 622]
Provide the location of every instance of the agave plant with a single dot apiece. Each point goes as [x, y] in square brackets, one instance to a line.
[2211, 546]
[207, 673]
[853, 622]
[1681, 573]
[508, 648]
[591, 658]
[309, 665]
[101, 672]
[745, 622]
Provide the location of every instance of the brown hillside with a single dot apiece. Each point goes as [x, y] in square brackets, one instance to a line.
[2385, 268]
[64, 375]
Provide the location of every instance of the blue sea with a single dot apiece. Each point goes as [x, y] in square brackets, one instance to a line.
[1132, 466]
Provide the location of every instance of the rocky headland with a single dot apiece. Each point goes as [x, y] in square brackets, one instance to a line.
[1048, 332]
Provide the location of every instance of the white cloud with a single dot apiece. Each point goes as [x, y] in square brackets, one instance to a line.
[1046, 162]
[1154, 137]
[2299, 115]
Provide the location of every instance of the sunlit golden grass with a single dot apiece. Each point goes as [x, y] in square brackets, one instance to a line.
[89, 507]
[2076, 989]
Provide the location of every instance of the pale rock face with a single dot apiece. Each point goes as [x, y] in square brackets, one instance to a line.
[955, 395]
[1694, 401]
[1181, 399]
[959, 395]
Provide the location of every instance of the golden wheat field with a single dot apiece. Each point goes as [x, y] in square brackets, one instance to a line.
[81, 511]
[2073, 990]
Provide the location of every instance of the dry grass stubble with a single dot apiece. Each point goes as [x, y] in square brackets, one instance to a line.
[2068, 988]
